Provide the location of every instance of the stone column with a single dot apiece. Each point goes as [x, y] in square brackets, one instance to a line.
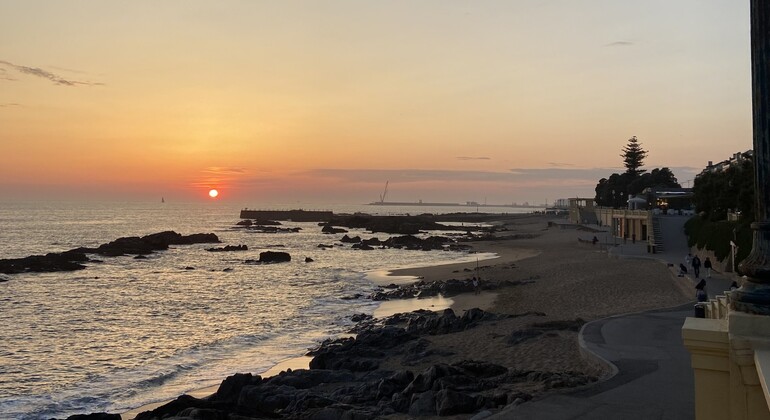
[754, 295]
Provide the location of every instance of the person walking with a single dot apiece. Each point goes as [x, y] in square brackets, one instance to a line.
[695, 266]
[700, 291]
[707, 266]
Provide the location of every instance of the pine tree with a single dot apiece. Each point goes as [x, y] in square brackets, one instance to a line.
[633, 157]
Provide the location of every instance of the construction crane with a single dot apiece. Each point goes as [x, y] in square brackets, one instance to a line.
[384, 193]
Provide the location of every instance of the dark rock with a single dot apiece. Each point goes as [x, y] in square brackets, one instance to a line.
[196, 238]
[229, 248]
[193, 413]
[272, 229]
[415, 243]
[51, 262]
[329, 229]
[393, 384]
[348, 240]
[189, 268]
[257, 222]
[372, 242]
[306, 402]
[266, 222]
[274, 257]
[95, 416]
[385, 337]
[140, 257]
[427, 378]
[423, 404]
[402, 225]
[231, 387]
[308, 260]
[307, 378]
[267, 399]
[172, 408]
[148, 244]
[362, 247]
[450, 402]
[323, 246]
[360, 317]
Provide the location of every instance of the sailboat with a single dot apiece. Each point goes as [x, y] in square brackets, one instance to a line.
[162, 200]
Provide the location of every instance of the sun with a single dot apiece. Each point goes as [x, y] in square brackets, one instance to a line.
[213, 193]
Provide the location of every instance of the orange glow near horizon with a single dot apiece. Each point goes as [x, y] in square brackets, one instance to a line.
[512, 109]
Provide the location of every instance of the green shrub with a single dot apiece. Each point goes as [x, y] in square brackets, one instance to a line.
[716, 236]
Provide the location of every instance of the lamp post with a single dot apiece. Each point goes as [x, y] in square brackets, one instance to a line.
[754, 295]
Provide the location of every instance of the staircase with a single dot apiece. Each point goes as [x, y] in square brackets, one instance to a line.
[587, 216]
[657, 234]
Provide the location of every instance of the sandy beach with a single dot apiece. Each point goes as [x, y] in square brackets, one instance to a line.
[569, 280]
[559, 279]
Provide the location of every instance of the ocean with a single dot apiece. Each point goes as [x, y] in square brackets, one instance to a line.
[125, 332]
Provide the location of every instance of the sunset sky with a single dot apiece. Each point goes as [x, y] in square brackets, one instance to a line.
[325, 101]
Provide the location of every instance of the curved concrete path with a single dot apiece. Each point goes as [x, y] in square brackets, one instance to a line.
[654, 379]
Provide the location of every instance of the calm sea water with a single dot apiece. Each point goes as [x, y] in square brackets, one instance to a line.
[126, 332]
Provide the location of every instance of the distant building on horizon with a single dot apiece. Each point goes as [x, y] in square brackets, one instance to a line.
[736, 159]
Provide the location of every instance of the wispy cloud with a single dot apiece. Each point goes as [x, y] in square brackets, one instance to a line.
[5, 76]
[620, 44]
[473, 158]
[45, 74]
[8, 105]
[561, 164]
[513, 176]
[230, 175]
[224, 170]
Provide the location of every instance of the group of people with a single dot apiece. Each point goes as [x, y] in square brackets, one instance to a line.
[695, 263]
[700, 288]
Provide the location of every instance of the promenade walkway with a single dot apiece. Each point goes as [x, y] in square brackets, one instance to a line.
[654, 379]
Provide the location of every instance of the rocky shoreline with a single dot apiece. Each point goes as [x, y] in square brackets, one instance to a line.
[132, 245]
[349, 378]
[431, 365]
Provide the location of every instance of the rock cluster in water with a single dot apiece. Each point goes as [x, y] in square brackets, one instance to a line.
[408, 242]
[265, 226]
[403, 225]
[71, 260]
[228, 248]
